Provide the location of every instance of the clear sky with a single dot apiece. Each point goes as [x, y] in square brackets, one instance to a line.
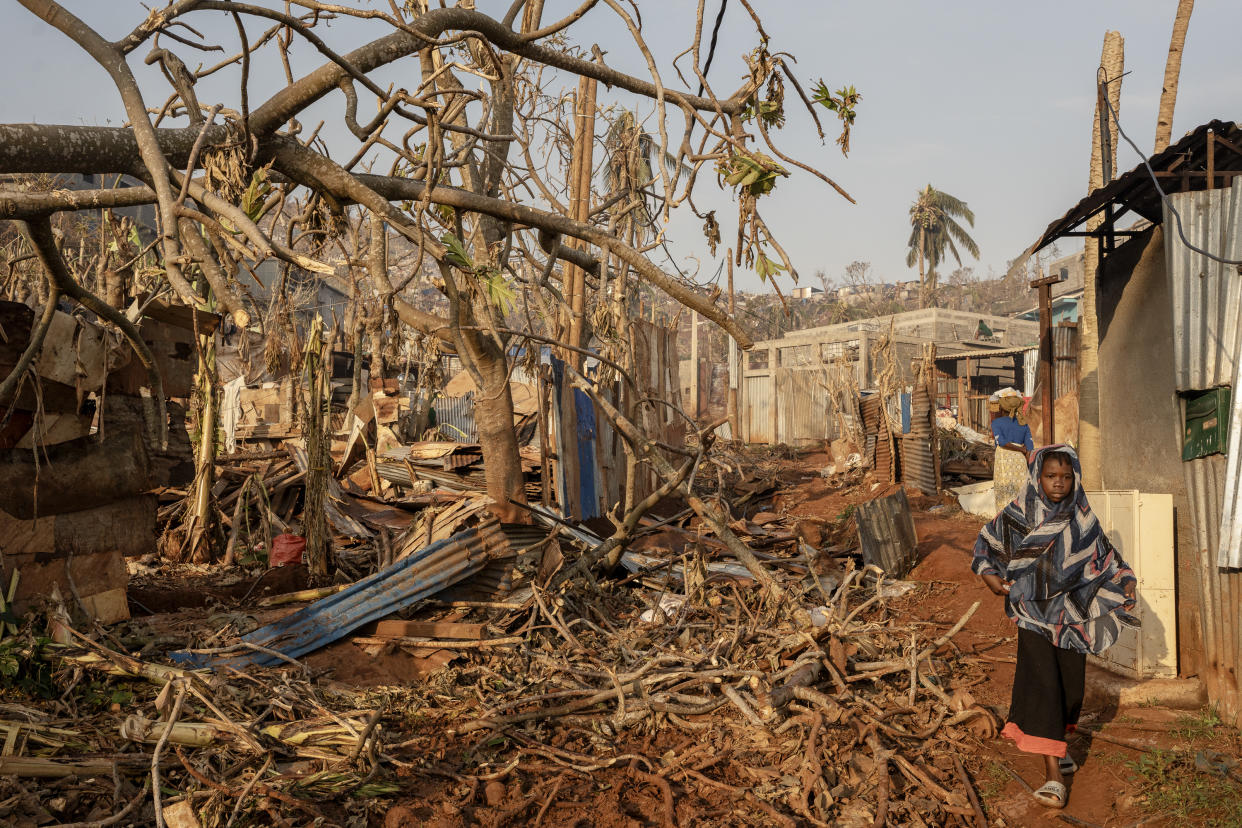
[990, 101]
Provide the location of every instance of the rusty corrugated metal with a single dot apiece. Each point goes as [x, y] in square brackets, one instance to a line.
[1064, 360]
[877, 434]
[1206, 296]
[1220, 590]
[918, 465]
[921, 415]
[886, 533]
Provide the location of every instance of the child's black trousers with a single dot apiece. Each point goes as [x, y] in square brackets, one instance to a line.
[1047, 695]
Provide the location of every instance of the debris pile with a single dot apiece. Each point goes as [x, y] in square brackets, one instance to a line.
[680, 681]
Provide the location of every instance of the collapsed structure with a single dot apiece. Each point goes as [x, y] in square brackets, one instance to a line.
[81, 459]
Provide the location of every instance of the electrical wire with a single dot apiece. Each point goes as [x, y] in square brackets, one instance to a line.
[1177, 218]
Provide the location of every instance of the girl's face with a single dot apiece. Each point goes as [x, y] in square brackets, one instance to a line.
[1056, 478]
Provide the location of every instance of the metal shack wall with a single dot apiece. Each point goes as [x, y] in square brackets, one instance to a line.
[1206, 303]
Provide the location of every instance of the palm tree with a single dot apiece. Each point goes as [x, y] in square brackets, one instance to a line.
[1172, 69]
[933, 230]
[630, 169]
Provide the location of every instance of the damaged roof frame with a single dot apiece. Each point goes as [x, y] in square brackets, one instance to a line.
[1185, 165]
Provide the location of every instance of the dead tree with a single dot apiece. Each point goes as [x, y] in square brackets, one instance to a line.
[455, 189]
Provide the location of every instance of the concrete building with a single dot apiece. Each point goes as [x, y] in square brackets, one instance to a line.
[786, 386]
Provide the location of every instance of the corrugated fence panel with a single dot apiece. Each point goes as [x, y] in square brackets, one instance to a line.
[879, 446]
[1064, 360]
[759, 404]
[886, 533]
[802, 406]
[1206, 295]
[1229, 553]
[918, 466]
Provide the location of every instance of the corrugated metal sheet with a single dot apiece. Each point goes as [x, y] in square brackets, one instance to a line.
[1220, 590]
[1064, 360]
[455, 417]
[1207, 328]
[984, 353]
[886, 533]
[1229, 552]
[1206, 304]
[1206, 295]
[759, 402]
[918, 465]
[802, 407]
[876, 433]
[425, 573]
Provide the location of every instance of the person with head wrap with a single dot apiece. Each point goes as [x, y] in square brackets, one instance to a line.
[1013, 443]
[1069, 592]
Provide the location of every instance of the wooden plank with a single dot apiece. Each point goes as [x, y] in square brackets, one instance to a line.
[180, 316]
[428, 629]
[173, 349]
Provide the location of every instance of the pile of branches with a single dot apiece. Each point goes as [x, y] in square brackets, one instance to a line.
[112, 739]
[860, 718]
[712, 698]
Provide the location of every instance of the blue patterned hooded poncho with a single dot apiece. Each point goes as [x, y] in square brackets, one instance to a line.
[1068, 579]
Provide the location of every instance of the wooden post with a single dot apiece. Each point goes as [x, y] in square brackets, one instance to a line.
[774, 356]
[735, 362]
[967, 415]
[580, 209]
[1211, 160]
[545, 448]
[694, 363]
[931, 398]
[961, 400]
[864, 360]
[1047, 402]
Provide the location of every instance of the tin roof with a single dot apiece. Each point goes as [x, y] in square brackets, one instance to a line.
[984, 353]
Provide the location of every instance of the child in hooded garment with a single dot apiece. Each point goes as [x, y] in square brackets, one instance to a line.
[1068, 590]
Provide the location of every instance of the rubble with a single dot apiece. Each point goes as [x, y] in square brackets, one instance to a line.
[852, 716]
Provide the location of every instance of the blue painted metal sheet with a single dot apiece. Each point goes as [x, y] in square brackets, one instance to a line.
[587, 470]
[411, 579]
